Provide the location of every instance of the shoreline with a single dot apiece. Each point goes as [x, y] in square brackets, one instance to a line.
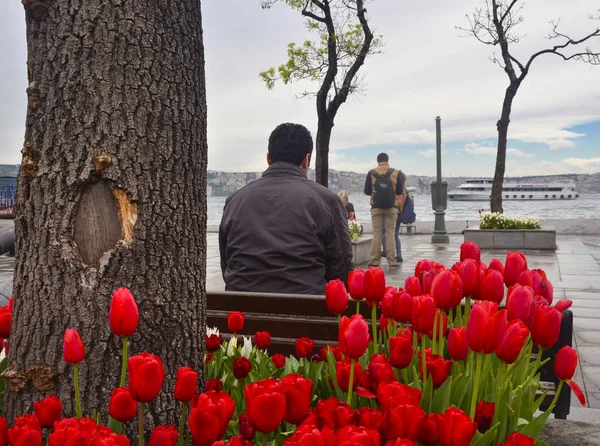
[570, 226]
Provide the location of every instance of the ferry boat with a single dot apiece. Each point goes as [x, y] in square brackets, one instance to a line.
[481, 189]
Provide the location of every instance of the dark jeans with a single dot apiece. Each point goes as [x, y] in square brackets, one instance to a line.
[397, 236]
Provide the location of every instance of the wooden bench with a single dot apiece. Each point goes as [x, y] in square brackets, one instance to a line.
[290, 316]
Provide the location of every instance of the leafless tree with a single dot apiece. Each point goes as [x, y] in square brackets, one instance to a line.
[344, 40]
[494, 25]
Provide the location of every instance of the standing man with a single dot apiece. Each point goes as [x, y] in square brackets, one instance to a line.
[384, 185]
[284, 233]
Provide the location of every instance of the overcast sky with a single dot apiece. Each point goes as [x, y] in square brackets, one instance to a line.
[426, 70]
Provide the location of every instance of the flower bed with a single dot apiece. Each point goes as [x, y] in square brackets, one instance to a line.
[443, 364]
[496, 220]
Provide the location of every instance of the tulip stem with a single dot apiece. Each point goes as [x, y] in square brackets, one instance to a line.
[124, 362]
[441, 337]
[351, 383]
[265, 439]
[451, 317]
[141, 430]
[182, 424]
[538, 360]
[374, 325]
[475, 387]
[556, 395]
[433, 343]
[77, 396]
[357, 306]
[423, 360]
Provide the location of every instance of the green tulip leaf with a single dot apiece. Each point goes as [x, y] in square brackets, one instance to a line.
[331, 362]
[441, 397]
[489, 438]
[534, 428]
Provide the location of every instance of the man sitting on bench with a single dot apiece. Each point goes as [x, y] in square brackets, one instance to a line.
[284, 233]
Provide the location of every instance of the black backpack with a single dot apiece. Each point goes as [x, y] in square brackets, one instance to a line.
[384, 195]
[408, 216]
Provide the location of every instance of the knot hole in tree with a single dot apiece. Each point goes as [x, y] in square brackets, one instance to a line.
[105, 215]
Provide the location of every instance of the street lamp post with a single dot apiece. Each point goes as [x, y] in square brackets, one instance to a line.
[439, 191]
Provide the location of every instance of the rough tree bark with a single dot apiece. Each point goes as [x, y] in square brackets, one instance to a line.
[111, 193]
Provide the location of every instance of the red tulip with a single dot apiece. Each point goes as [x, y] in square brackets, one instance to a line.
[370, 418]
[513, 341]
[515, 264]
[354, 435]
[430, 434]
[492, 286]
[404, 421]
[298, 395]
[356, 284]
[563, 305]
[423, 314]
[213, 342]
[525, 278]
[456, 428]
[247, 428]
[380, 371]
[458, 346]
[485, 327]
[518, 439]
[392, 394]
[235, 321]
[186, 384]
[542, 286]
[146, 376]
[519, 303]
[304, 346]
[421, 267]
[3, 431]
[164, 436]
[238, 440]
[262, 340]
[335, 351]
[436, 366]
[48, 411]
[213, 384]
[497, 265]
[73, 348]
[484, 413]
[279, 360]
[412, 285]
[545, 326]
[26, 431]
[469, 275]
[401, 349]
[401, 442]
[265, 404]
[447, 289]
[427, 279]
[565, 363]
[332, 414]
[210, 417]
[470, 250]
[73, 431]
[123, 313]
[342, 374]
[401, 306]
[353, 336]
[374, 284]
[5, 321]
[336, 296]
[241, 368]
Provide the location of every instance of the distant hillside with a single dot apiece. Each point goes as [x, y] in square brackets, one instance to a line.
[9, 170]
[225, 183]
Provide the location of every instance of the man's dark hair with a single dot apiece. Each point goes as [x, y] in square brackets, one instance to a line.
[383, 158]
[290, 143]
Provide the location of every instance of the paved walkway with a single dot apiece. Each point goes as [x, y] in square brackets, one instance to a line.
[574, 270]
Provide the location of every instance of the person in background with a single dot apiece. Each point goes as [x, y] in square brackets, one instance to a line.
[400, 206]
[384, 185]
[284, 233]
[349, 206]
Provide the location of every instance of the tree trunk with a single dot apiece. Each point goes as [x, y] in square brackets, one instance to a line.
[502, 125]
[322, 149]
[112, 192]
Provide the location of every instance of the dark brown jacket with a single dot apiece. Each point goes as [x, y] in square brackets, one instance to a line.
[284, 233]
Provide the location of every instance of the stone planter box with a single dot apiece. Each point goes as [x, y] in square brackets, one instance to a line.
[361, 249]
[512, 238]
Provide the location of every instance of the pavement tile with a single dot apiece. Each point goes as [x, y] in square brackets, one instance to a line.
[583, 414]
[585, 303]
[593, 399]
[587, 338]
[586, 324]
[586, 313]
[589, 357]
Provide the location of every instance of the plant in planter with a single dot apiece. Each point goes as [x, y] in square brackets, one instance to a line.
[354, 229]
[441, 363]
[496, 220]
